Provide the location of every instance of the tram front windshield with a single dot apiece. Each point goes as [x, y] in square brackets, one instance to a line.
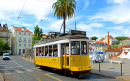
[75, 48]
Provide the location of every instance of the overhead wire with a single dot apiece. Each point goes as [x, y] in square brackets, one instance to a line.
[21, 11]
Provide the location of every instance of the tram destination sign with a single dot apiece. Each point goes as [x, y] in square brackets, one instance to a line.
[75, 32]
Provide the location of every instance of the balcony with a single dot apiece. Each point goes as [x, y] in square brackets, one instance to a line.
[20, 40]
[4, 36]
[24, 41]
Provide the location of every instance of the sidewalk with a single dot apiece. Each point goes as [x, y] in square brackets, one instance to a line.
[1, 77]
[112, 69]
[107, 69]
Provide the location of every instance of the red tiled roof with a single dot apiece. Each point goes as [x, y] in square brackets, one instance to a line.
[112, 50]
[90, 48]
[99, 43]
[91, 45]
[125, 52]
[120, 47]
[126, 46]
[112, 38]
[44, 34]
[91, 41]
[32, 34]
[101, 39]
[127, 39]
[20, 29]
[4, 31]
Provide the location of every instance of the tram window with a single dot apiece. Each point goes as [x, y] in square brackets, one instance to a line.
[83, 47]
[66, 49]
[42, 51]
[50, 50]
[75, 48]
[55, 51]
[67, 61]
[46, 51]
[37, 51]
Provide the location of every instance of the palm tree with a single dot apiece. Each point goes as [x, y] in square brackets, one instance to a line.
[64, 9]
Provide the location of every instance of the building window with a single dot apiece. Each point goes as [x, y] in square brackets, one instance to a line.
[128, 50]
[19, 39]
[28, 45]
[124, 50]
[29, 40]
[6, 40]
[24, 33]
[29, 34]
[19, 51]
[24, 39]
[19, 33]
[0, 34]
[24, 45]
[0, 28]
[24, 29]
[6, 35]
[19, 45]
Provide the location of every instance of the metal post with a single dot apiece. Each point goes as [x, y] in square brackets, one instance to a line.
[121, 69]
[99, 66]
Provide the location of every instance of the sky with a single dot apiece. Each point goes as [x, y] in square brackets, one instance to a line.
[96, 17]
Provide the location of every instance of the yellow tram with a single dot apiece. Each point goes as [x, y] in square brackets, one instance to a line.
[68, 52]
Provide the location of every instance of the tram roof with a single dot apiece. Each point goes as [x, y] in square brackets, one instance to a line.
[63, 38]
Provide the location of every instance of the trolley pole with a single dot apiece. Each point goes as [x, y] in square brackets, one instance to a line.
[99, 66]
[121, 69]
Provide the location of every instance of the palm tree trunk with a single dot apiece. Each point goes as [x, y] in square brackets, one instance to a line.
[64, 23]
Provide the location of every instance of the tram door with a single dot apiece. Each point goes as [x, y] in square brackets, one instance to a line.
[65, 56]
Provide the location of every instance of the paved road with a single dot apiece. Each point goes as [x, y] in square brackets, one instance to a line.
[17, 69]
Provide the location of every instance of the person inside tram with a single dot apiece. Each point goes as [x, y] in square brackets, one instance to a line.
[55, 54]
[40, 54]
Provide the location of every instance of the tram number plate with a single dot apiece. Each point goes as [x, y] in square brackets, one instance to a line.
[53, 59]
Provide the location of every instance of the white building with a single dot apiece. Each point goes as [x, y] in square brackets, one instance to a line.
[21, 40]
[112, 40]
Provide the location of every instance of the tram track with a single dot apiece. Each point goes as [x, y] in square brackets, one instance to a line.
[16, 68]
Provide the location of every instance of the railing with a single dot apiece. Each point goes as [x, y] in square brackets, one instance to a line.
[20, 40]
[4, 36]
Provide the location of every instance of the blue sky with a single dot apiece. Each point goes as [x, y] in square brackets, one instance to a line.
[96, 17]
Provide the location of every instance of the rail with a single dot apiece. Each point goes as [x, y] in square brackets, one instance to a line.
[115, 61]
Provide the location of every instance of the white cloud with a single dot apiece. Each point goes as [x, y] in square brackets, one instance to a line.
[25, 24]
[86, 4]
[118, 13]
[89, 27]
[117, 27]
[38, 8]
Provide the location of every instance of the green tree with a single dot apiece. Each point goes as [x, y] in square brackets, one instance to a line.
[64, 9]
[4, 45]
[121, 38]
[116, 43]
[37, 34]
[94, 38]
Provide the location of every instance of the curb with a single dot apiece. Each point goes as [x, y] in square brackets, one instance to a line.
[25, 59]
[103, 75]
[119, 78]
[1, 77]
